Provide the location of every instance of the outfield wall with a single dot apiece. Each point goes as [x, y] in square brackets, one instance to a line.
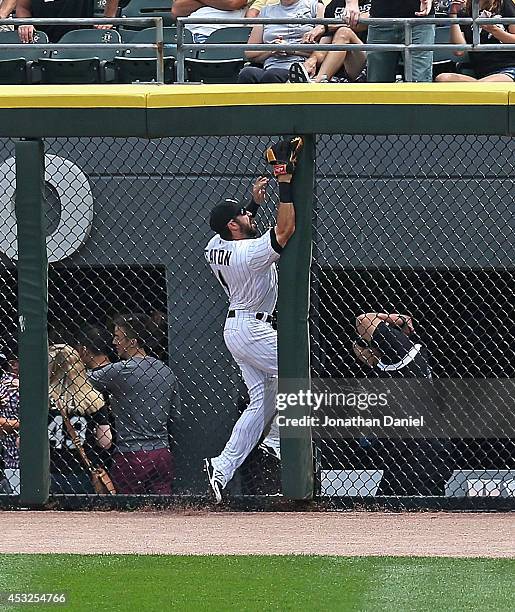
[104, 132]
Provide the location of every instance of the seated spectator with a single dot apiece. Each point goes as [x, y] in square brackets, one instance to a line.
[9, 421]
[112, 6]
[487, 65]
[48, 9]
[344, 65]
[276, 64]
[6, 8]
[144, 397]
[254, 8]
[220, 9]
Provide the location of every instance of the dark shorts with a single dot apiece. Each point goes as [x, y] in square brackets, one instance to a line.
[509, 71]
[143, 472]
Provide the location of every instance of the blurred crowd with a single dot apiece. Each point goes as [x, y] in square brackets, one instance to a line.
[354, 65]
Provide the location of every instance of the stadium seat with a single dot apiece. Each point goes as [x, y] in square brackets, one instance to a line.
[149, 8]
[99, 7]
[219, 65]
[82, 65]
[140, 64]
[17, 66]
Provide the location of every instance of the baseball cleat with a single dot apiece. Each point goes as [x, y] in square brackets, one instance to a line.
[214, 482]
[271, 451]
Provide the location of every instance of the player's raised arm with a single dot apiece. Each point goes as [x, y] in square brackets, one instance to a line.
[258, 195]
[283, 157]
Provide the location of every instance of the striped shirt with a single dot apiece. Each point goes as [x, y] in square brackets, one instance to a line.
[9, 409]
[246, 270]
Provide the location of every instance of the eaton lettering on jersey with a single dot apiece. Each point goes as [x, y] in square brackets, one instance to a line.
[219, 257]
[246, 270]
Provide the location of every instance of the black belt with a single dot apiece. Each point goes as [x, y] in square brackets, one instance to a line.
[260, 316]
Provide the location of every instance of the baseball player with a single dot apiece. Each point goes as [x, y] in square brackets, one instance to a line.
[244, 264]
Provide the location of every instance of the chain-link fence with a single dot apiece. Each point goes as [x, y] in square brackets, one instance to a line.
[417, 225]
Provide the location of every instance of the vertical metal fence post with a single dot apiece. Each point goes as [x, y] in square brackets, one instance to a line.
[476, 35]
[32, 317]
[293, 332]
[160, 72]
[180, 51]
[408, 58]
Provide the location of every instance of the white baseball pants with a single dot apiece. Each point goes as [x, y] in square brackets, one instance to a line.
[253, 344]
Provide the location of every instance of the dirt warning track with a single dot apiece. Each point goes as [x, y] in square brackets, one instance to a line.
[217, 533]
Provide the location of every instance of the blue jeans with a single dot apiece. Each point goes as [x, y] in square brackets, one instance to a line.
[382, 65]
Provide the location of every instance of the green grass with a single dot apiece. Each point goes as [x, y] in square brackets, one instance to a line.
[141, 583]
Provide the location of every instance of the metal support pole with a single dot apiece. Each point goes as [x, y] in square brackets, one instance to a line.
[408, 58]
[160, 72]
[180, 52]
[476, 34]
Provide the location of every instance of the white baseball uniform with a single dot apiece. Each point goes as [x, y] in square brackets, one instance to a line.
[247, 272]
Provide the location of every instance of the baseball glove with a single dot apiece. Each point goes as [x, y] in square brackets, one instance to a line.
[102, 482]
[68, 381]
[283, 155]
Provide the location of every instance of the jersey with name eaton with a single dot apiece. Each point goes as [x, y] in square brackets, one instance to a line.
[246, 270]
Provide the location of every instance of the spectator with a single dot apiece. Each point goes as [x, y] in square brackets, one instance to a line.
[48, 9]
[221, 9]
[111, 10]
[9, 421]
[276, 64]
[144, 396]
[346, 65]
[487, 65]
[158, 328]
[255, 8]
[70, 389]
[6, 8]
[414, 466]
[93, 346]
[382, 66]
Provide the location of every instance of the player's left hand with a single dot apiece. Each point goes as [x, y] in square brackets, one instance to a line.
[283, 155]
[259, 190]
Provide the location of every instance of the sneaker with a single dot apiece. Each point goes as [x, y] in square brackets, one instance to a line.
[215, 480]
[271, 451]
[298, 73]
